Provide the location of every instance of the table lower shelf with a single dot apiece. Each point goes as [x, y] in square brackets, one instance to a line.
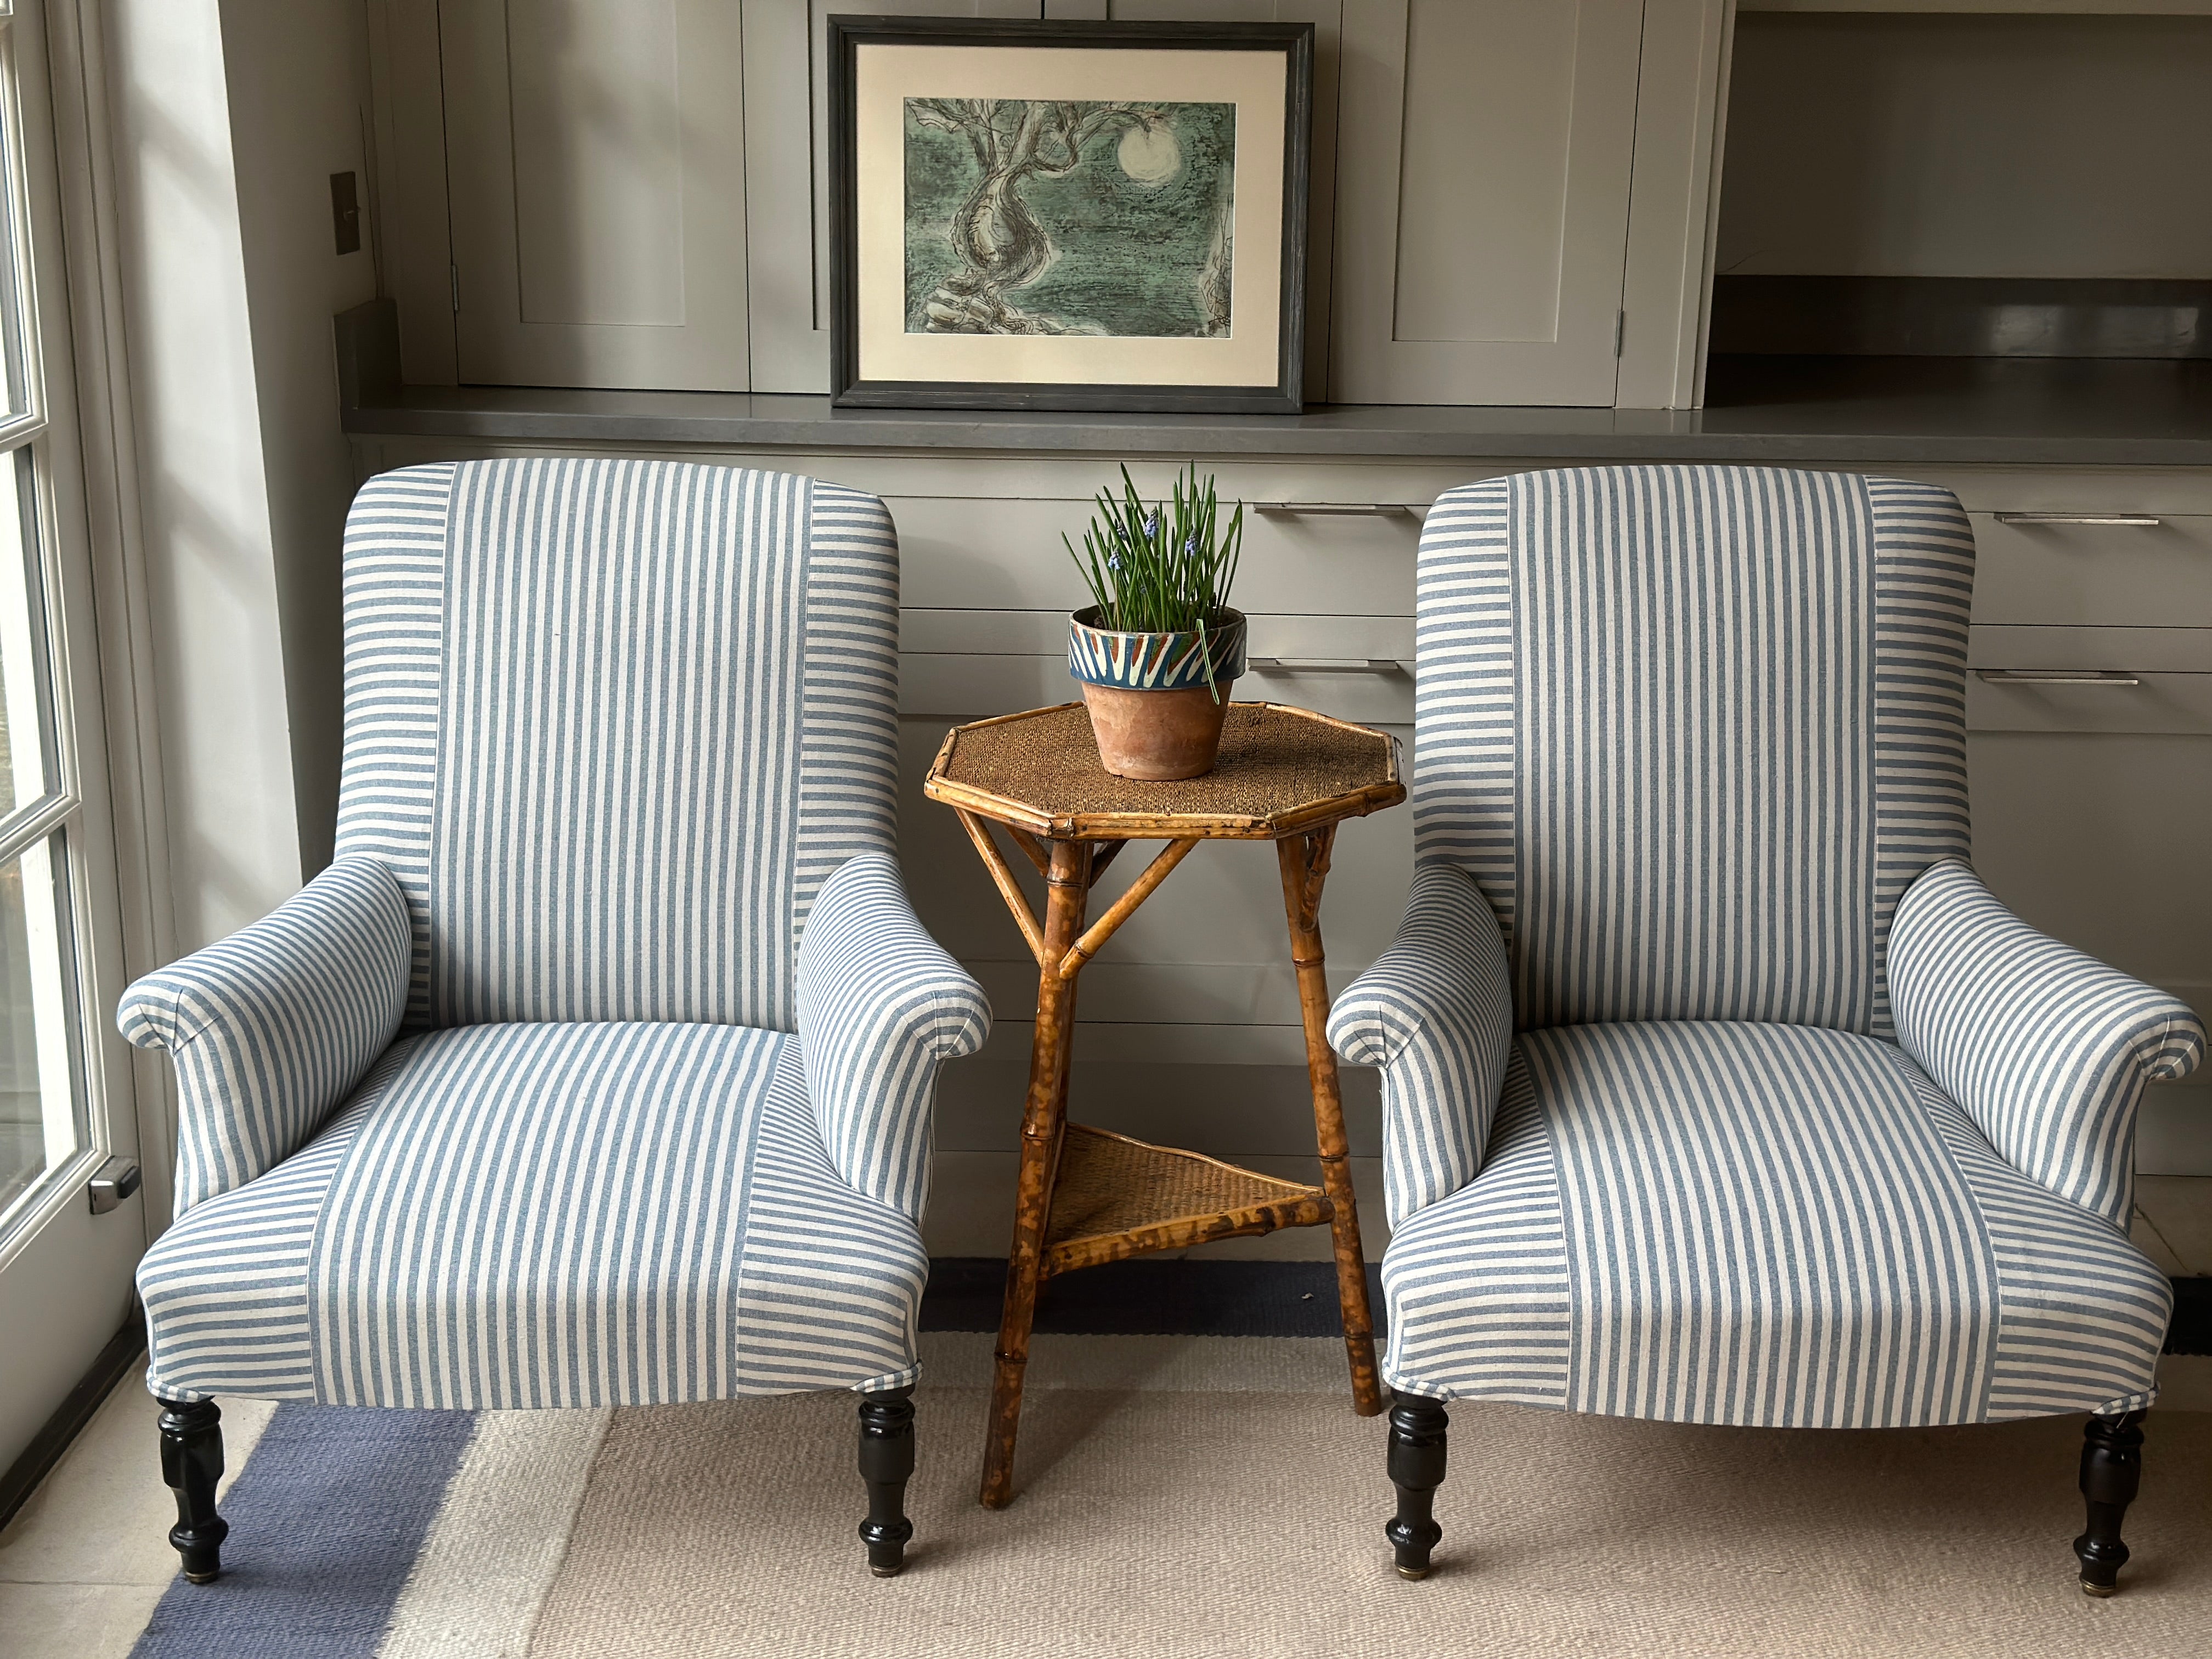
[1114, 1198]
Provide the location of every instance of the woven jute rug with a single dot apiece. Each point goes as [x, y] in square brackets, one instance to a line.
[1179, 1496]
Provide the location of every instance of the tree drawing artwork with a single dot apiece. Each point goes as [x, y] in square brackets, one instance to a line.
[1028, 216]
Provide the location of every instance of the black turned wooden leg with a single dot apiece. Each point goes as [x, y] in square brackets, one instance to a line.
[886, 1462]
[191, 1463]
[1417, 1469]
[2111, 1469]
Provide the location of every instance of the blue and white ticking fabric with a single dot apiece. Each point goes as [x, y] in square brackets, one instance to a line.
[1435, 1014]
[2048, 1050]
[1772, 1224]
[1696, 734]
[578, 694]
[1692, 730]
[879, 1004]
[547, 1215]
[615, 829]
[272, 1027]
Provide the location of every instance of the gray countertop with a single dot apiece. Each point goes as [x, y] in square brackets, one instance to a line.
[1850, 410]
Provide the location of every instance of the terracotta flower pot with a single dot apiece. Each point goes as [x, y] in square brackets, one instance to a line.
[1151, 707]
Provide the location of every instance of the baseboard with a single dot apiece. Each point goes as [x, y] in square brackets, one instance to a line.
[115, 1361]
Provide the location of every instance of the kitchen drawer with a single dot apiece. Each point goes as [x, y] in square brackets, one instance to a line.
[968, 555]
[2100, 841]
[2152, 574]
[2148, 679]
[966, 665]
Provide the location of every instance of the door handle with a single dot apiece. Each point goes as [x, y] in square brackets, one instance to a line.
[110, 1183]
[2057, 676]
[2146, 519]
[1326, 665]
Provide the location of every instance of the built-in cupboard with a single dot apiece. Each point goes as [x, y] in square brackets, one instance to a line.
[1507, 195]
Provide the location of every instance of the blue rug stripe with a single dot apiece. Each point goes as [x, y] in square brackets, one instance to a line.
[326, 1523]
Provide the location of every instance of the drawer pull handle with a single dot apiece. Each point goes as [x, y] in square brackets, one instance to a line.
[1326, 665]
[1333, 509]
[2057, 676]
[2149, 521]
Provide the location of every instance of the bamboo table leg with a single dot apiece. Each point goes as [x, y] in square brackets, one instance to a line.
[1305, 867]
[1067, 881]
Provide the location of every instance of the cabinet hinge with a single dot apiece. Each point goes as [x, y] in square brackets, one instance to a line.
[453, 276]
[1619, 328]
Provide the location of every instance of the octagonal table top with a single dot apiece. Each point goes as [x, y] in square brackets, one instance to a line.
[1282, 771]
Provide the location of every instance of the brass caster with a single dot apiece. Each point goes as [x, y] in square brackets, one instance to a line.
[1414, 1575]
[2100, 1591]
[202, 1577]
[875, 1571]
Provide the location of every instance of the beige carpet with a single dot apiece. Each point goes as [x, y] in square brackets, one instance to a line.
[1182, 1523]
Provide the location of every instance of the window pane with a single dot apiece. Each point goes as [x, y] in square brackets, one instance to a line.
[40, 1127]
[22, 730]
[12, 399]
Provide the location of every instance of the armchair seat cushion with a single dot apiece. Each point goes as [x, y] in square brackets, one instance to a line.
[542, 1215]
[1762, 1224]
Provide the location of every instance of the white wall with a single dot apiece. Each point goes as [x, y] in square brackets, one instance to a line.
[233, 842]
[230, 117]
[298, 74]
[1880, 145]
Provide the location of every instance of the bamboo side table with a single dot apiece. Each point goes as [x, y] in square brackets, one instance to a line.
[1087, 1196]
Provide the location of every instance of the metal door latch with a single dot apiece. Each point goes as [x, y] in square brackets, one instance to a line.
[110, 1183]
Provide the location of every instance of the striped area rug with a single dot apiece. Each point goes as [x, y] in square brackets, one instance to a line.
[1193, 1482]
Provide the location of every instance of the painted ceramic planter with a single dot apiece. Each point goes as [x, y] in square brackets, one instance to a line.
[1151, 707]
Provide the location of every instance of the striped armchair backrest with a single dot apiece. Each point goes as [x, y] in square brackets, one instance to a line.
[1692, 730]
[613, 723]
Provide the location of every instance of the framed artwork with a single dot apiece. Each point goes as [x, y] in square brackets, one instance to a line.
[1068, 215]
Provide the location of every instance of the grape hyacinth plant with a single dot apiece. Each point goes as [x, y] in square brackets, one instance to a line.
[1161, 569]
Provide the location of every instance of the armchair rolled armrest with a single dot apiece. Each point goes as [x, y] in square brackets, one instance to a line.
[271, 1028]
[2047, 1050]
[1435, 1014]
[880, 1003]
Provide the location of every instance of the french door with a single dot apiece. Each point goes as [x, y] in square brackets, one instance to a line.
[65, 1098]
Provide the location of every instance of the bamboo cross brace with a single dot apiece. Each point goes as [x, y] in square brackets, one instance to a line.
[1124, 907]
[1009, 890]
[1035, 848]
[1103, 857]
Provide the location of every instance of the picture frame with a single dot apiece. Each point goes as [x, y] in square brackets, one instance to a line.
[1087, 217]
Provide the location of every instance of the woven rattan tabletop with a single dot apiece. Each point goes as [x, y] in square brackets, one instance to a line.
[1282, 770]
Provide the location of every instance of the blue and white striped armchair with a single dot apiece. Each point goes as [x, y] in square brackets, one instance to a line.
[1717, 1088]
[598, 1069]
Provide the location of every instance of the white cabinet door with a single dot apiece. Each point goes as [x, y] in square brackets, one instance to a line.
[595, 162]
[1483, 150]
[788, 187]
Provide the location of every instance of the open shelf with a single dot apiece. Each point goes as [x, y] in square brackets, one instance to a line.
[2025, 8]
[1114, 1198]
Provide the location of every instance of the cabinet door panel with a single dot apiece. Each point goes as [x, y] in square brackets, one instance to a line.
[1483, 169]
[787, 181]
[595, 160]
